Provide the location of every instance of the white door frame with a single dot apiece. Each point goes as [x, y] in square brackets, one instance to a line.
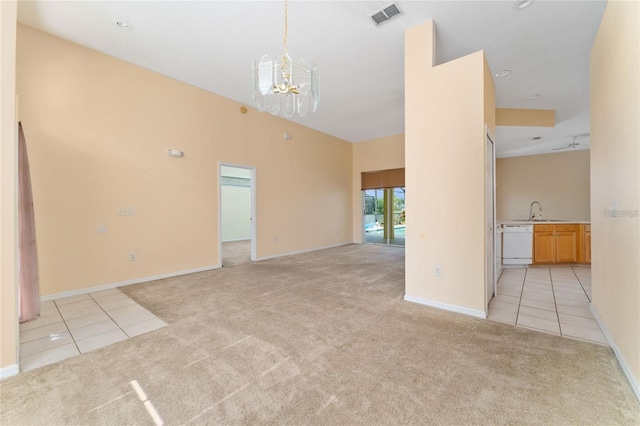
[491, 273]
[363, 233]
[253, 208]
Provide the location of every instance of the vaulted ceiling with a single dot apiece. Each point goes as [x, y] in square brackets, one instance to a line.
[212, 45]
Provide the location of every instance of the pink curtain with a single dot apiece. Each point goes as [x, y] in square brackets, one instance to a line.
[28, 264]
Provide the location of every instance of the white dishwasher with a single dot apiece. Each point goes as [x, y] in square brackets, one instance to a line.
[517, 244]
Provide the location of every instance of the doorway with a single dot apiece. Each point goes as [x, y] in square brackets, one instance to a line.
[236, 214]
[384, 216]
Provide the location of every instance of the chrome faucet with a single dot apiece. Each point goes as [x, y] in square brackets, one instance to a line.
[532, 215]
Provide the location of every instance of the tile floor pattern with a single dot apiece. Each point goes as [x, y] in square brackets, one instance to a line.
[78, 324]
[552, 299]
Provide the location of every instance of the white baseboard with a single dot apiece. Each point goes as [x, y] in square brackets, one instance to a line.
[616, 350]
[9, 370]
[237, 239]
[446, 306]
[169, 275]
[123, 283]
[291, 253]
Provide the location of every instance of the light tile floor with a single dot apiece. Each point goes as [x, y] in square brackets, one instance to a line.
[78, 324]
[552, 299]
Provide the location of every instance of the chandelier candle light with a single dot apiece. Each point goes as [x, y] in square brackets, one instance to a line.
[285, 85]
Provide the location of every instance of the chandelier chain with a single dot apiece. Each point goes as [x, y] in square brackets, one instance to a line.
[286, 27]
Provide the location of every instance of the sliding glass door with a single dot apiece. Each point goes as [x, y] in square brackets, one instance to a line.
[374, 216]
[397, 237]
[384, 217]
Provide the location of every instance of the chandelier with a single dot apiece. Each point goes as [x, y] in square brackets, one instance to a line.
[284, 85]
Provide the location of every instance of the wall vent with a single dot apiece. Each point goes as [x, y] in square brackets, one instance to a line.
[386, 13]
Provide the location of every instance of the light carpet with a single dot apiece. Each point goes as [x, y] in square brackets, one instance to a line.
[322, 338]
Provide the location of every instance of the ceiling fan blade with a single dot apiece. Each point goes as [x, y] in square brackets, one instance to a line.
[572, 145]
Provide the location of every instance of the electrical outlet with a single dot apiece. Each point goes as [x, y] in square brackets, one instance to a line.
[132, 256]
[437, 271]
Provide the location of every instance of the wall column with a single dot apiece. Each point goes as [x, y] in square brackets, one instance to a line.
[445, 113]
[8, 193]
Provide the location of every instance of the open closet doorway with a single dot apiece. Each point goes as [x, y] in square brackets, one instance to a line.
[236, 214]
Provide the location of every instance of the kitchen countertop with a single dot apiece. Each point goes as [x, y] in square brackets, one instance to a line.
[540, 222]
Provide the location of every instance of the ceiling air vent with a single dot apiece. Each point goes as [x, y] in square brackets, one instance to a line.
[386, 13]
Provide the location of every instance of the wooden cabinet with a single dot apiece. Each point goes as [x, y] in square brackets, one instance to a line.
[555, 243]
[543, 244]
[584, 245]
[587, 243]
[566, 247]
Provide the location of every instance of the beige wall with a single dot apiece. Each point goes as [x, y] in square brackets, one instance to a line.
[97, 129]
[615, 178]
[560, 182]
[376, 154]
[526, 117]
[489, 99]
[444, 156]
[8, 205]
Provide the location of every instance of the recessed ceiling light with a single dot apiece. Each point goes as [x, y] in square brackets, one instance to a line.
[534, 96]
[123, 25]
[522, 4]
[503, 73]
